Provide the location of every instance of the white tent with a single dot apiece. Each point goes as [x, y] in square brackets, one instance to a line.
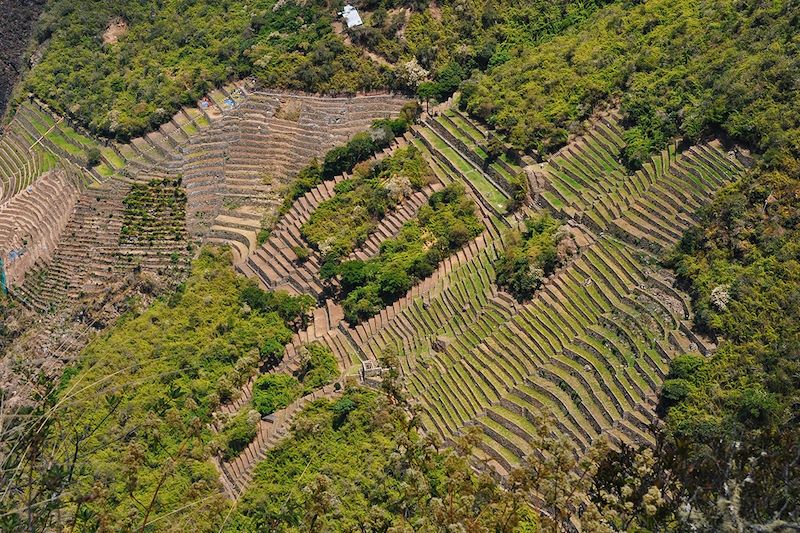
[351, 16]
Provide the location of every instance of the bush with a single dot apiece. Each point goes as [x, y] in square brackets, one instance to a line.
[238, 432]
[92, 157]
[529, 256]
[272, 392]
[292, 309]
[441, 227]
[319, 369]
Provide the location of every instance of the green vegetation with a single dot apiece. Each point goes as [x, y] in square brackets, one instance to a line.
[342, 223]
[440, 48]
[123, 441]
[237, 433]
[532, 254]
[154, 210]
[133, 415]
[441, 227]
[173, 53]
[733, 417]
[292, 309]
[345, 158]
[356, 463]
[272, 392]
[679, 67]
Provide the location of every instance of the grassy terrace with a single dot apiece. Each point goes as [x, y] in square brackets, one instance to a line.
[462, 129]
[651, 207]
[486, 189]
[582, 349]
[450, 309]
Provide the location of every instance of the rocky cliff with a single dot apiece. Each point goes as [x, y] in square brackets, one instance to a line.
[17, 18]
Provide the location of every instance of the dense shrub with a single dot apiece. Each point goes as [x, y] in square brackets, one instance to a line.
[442, 226]
[238, 432]
[742, 268]
[679, 67]
[272, 392]
[319, 367]
[343, 222]
[293, 310]
[532, 254]
[353, 461]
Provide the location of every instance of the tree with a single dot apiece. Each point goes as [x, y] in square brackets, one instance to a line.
[425, 91]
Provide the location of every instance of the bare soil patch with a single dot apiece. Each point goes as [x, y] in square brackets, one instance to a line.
[116, 29]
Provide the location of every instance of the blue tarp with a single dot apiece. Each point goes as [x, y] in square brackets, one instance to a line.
[3, 287]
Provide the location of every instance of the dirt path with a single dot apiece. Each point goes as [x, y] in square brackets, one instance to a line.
[338, 27]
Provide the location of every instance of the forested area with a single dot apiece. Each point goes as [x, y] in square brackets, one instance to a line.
[124, 437]
[677, 68]
[173, 51]
[436, 47]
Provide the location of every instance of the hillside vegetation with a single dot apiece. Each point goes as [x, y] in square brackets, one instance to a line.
[678, 68]
[131, 439]
[174, 52]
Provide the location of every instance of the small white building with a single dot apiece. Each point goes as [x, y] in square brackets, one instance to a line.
[351, 16]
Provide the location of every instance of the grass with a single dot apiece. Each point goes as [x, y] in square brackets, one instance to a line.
[485, 188]
[111, 156]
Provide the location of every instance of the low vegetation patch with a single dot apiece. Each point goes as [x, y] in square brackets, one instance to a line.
[237, 433]
[272, 392]
[532, 254]
[446, 223]
[342, 223]
[154, 210]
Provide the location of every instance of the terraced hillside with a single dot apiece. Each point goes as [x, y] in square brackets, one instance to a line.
[593, 345]
[460, 146]
[31, 145]
[275, 265]
[33, 221]
[219, 152]
[652, 208]
[236, 171]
